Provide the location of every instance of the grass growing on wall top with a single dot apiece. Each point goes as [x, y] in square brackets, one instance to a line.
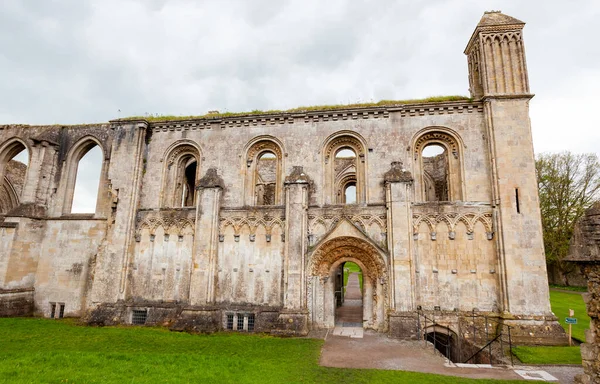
[381, 103]
[42, 351]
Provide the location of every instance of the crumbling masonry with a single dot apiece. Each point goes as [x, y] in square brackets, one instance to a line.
[241, 222]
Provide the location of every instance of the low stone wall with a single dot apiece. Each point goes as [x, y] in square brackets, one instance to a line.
[585, 251]
[16, 302]
[590, 350]
[204, 319]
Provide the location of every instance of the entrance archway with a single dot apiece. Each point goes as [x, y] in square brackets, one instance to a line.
[324, 263]
[349, 295]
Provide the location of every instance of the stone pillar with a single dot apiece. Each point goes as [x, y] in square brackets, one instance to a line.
[114, 256]
[208, 203]
[399, 194]
[35, 190]
[585, 251]
[294, 317]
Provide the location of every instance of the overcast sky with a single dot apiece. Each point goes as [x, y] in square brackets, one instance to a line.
[78, 61]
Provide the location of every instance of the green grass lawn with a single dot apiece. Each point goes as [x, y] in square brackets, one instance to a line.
[548, 355]
[352, 267]
[53, 351]
[561, 302]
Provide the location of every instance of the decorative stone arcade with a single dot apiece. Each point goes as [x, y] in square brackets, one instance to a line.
[323, 264]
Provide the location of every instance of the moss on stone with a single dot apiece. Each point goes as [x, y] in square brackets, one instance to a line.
[382, 103]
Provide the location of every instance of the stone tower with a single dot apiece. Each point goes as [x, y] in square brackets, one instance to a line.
[498, 76]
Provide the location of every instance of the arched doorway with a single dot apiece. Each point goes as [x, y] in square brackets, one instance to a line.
[322, 279]
[349, 295]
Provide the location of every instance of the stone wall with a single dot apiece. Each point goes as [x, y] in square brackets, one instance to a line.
[585, 251]
[192, 263]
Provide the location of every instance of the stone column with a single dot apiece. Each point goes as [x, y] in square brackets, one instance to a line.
[585, 251]
[210, 188]
[399, 194]
[41, 163]
[294, 317]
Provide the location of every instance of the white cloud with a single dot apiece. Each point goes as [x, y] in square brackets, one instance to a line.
[69, 61]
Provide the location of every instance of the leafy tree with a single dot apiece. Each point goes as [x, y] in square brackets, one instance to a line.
[568, 184]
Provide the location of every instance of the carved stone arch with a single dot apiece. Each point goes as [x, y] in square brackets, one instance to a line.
[254, 191]
[12, 147]
[187, 229]
[467, 220]
[322, 264]
[450, 180]
[331, 183]
[423, 219]
[445, 219]
[10, 196]
[275, 223]
[70, 167]
[181, 172]
[486, 220]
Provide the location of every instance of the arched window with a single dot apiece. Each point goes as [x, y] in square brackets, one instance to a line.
[87, 181]
[344, 173]
[263, 168]
[14, 161]
[266, 179]
[438, 167]
[181, 176]
[435, 172]
[84, 169]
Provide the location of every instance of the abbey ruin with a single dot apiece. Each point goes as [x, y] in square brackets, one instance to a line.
[244, 222]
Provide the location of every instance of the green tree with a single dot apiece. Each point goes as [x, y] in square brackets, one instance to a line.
[568, 184]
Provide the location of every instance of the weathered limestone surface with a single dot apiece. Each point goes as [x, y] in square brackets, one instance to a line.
[241, 222]
[585, 251]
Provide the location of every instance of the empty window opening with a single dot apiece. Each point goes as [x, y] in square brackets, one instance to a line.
[266, 179]
[345, 174]
[517, 200]
[435, 173]
[139, 316]
[52, 310]
[345, 153]
[85, 194]
[12, 181]
[61, 311]
[188, 183]
[229, 324]
[350, 193]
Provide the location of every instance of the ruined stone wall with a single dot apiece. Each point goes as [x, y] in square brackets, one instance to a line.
[585, 251]
[67, 257]
[191, 263]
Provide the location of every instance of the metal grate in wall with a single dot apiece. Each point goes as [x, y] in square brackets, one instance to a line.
[139, 316]
[250, 322]
[240, 322]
